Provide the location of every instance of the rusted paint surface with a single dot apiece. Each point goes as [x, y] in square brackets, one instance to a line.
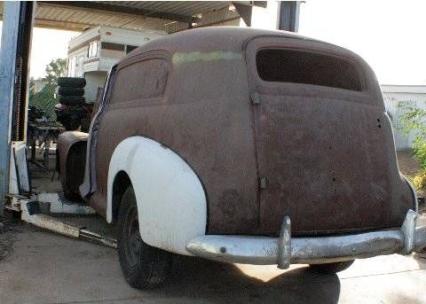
[326, 155]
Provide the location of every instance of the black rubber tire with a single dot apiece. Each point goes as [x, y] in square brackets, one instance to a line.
[69, 120]
[67, 91]
[71, 100]
[330, 268]
[143, 266]
[75, 165]
[70, 123]
[71, 82]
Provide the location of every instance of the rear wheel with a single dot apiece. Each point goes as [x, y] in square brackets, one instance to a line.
[331, 268]
[143, 266]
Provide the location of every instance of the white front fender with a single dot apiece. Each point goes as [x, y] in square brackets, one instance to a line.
[171, 202]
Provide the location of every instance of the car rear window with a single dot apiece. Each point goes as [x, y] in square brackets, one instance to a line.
[281, 65]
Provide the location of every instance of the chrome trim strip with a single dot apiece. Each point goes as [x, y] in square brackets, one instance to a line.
[264, 250]
[260, 250]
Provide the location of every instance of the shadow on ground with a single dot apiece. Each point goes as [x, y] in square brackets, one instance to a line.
[223, 283]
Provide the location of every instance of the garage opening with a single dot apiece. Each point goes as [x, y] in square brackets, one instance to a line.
[61, 54]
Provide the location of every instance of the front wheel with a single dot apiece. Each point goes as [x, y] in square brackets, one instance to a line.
[143, 266]
[330, 268]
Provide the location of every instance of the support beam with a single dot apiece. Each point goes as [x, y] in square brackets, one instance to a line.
[106, 7]
[9, 45]
[245, 11]
[288, 19]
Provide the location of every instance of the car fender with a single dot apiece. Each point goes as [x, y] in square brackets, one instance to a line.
[171, 202]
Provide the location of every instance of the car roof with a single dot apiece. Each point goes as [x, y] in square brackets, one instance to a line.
[206, 39]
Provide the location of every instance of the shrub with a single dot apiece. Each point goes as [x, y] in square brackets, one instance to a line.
[413, 119]
[420, 180]
[45, 99]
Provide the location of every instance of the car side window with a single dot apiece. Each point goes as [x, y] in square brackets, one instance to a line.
[141, 80]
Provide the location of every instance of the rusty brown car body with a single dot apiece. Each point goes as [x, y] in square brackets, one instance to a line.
[275, 126]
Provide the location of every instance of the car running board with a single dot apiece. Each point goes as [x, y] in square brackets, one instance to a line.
[33, 211]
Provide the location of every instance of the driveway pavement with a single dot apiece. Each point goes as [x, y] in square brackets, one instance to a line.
[48, 268]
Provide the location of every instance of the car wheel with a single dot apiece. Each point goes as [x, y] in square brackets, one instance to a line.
[330, 268]
[143, 266]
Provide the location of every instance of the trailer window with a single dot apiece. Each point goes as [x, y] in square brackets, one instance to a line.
[112, 46]
[280, 65]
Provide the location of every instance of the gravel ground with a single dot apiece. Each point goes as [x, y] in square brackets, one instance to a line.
[9, 227]
[49, 268]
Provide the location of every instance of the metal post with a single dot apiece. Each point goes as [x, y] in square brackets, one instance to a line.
[20, 105]
[288, 18]
[245, 12]
[9, 43]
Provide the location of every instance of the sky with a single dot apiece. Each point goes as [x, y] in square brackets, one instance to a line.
[389, 34]
[47, 44]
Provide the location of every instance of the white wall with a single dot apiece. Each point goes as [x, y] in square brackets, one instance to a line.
[393, 96]
[94, 80]
[76, 61]
[122, 36]
[265, 18]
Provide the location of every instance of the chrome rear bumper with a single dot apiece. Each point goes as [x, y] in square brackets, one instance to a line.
[310, 250]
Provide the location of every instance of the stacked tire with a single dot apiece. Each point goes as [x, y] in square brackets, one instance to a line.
[71, 91]
[70, 109]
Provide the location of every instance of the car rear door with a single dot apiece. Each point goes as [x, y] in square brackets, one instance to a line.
[324, 144]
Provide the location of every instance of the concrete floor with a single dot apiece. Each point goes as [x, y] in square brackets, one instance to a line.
[41, 267]
[48, 268]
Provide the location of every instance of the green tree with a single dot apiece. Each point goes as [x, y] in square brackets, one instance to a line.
[55, 69]
[45, 98]
[413, 120]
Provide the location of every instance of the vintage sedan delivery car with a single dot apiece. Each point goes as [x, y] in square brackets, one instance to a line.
[245, 146]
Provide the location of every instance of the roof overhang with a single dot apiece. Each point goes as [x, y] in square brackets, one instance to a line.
[167, 16]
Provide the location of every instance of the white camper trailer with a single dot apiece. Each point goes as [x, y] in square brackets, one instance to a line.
[92, 54]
